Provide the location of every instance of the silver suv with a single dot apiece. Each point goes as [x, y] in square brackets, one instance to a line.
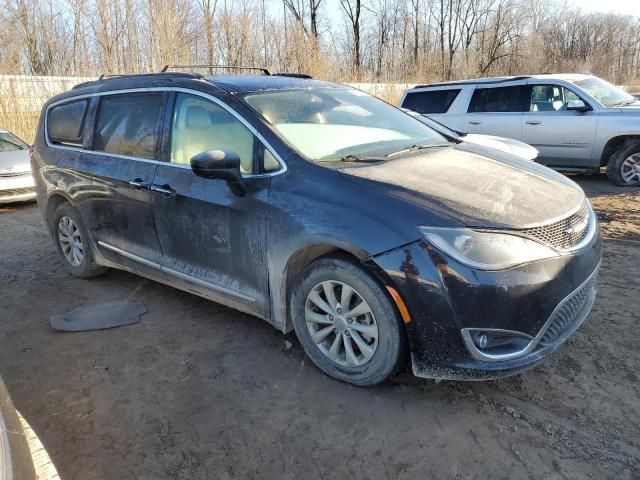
[578, 123]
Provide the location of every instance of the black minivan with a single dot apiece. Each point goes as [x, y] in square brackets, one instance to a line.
[320, 208]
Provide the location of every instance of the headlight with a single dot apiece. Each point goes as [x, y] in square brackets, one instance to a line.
[486, 250]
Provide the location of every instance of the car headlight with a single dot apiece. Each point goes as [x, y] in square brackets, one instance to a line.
[486, 250]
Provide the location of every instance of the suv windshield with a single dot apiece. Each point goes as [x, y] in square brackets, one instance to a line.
[607, 94]
[328, 124]
[9, 142]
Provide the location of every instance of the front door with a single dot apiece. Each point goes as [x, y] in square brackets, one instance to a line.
[115, 175]
[209, 236]
[564, 138]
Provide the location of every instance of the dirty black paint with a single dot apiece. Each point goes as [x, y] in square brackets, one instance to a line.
[252, 246]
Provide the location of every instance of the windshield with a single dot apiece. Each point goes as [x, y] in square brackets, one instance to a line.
[9, 142]
[328, 124]
[437, 126]
[605, 93]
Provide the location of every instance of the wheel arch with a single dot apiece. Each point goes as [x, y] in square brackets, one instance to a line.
[54, 200]
[302, 257]
[613, 144]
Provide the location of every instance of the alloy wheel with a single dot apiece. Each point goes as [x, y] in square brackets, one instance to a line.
[341, 323]
[630, 169]
[70, 241]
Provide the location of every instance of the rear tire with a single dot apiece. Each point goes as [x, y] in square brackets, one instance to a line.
[364, 348]
[623, 168]
[73, 243]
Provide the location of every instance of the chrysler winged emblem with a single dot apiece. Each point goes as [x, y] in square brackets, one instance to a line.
[578, 227]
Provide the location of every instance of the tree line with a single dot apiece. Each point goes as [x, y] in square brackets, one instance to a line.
[356, 40]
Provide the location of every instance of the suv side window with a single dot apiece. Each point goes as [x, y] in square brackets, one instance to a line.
[200, 125]
[129, 124]
[550, 98]
[434, 101]
[500, 99]
[65, 122]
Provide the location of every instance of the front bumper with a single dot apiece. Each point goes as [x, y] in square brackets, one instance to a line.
[17, 188]
[544, 301]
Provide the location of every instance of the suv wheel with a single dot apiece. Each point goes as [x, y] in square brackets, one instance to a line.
[346, 323]
[623, 168]
[72, 240]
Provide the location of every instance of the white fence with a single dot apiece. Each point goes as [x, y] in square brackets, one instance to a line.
[26, 94]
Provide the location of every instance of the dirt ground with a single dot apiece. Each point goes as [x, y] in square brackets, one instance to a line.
[196, 390]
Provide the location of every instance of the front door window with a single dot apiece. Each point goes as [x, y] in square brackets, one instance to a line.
[200, 125]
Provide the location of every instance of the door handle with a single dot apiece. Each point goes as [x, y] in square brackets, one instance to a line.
[139, 184]
[474, 122]
[165, 190]
[533, 122]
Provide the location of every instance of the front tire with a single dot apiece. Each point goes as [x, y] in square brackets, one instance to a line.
[346, 323]
[623, 167]
[73, 243]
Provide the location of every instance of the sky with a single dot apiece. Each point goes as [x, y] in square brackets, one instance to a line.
[627, 7]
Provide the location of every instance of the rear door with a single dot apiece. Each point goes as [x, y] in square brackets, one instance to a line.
[115, 175]
[209, 236]
[496, 110]
[563, 138]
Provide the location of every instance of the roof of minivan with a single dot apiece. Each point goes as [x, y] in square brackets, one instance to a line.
[489, 80]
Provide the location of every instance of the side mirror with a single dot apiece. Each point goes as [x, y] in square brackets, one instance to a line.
[577, 106]
[222, 164]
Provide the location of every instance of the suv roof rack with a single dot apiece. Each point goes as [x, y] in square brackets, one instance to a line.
[136, 75]
[488, 80]
[293, 75]
[211, 67]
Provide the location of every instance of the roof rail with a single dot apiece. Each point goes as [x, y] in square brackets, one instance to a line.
[487, 80]
[105, 76]
[293, 75]
[211, 67]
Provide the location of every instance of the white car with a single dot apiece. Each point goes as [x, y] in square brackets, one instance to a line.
[16, 181]
[502, 144]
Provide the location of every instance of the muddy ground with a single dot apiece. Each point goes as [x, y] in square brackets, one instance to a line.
[197, 390]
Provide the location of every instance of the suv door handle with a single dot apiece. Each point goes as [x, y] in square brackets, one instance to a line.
[165, 190]
[139, 184]
[533, 122]
[474, 122]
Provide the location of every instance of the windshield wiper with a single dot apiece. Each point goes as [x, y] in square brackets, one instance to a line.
[416, 147]
[351, 158]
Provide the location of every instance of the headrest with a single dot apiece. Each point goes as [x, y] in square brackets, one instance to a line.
[197, 117]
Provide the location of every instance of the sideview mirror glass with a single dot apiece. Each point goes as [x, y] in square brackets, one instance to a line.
[577, 105]
[223, 164]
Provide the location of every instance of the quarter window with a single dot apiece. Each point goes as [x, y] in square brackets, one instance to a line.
[500, 99]
[435, 101]
[200, 125]
[550, 98]
[129, 124]
[10, 143]
[65, 122]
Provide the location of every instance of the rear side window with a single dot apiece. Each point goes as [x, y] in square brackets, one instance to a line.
[501, 99]
[436, 101]
[65, 122]
[129, 124]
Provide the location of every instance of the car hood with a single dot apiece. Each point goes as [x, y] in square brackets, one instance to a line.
[508, 145]
[476, 185]
[17, 161]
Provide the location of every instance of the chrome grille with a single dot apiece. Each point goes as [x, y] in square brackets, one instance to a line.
[16, 191]
[14, 174]
[565, 317]
[563, 234]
